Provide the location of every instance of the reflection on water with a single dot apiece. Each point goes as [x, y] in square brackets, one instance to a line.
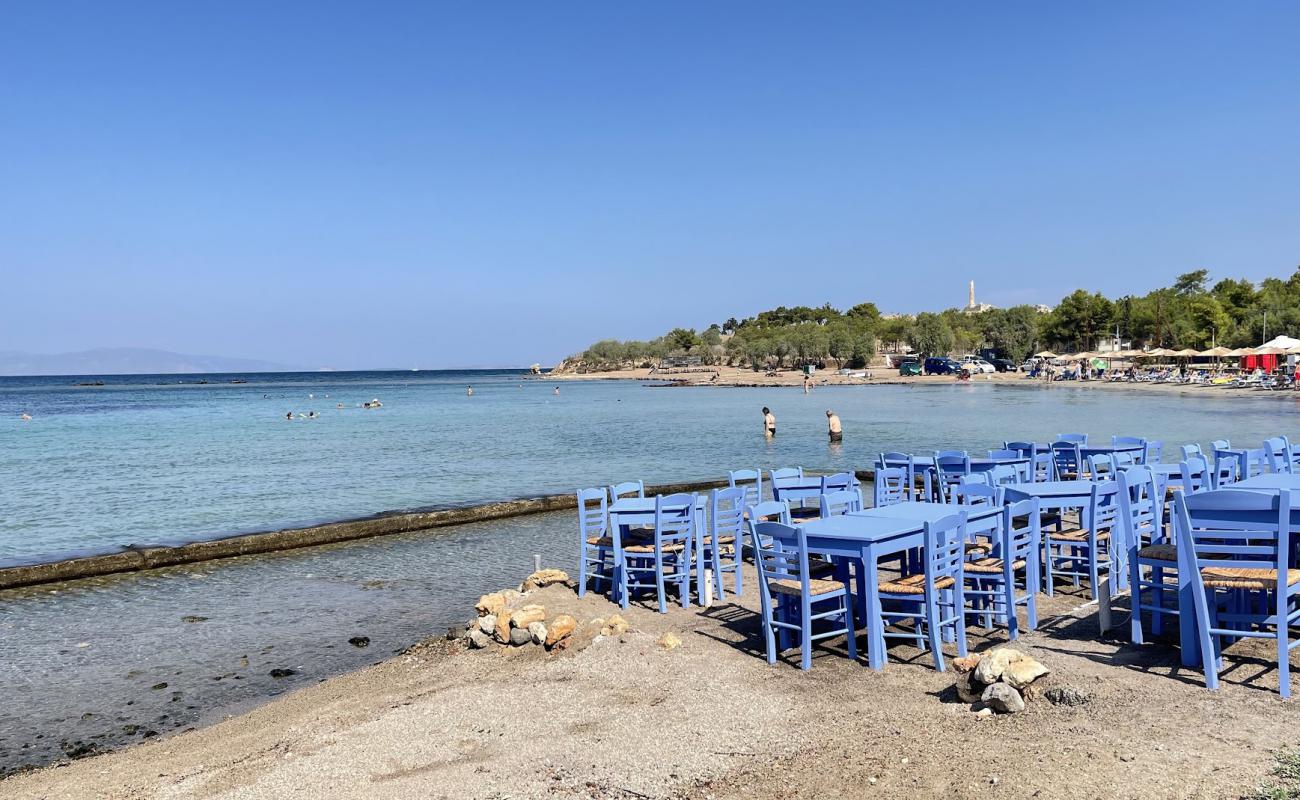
[100, 663]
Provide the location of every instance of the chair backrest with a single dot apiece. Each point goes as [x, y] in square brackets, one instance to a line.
[1003, 474]
[1190, 450]
[1073, 438]
[903, 461]
[727, 512]
[840, 502]
[1234, 529]
[1066, 459]
[1099, 467]
[1027, 449]
[1256, 462]
[770, 511]
[1278, 453]
[780, 553]
[952, 462]
[674, 518]
[1154, 452]
[889, 486]
[1220, 444]
[626, 489]
[1103, 507]
[751, 480]
[593, 513]
[1127, 441]
[786, 472]
[1005, 452]
[838, 482]
[1140, 511]
[945, 549]
[1196, 475]
[1227, 466]
[1023, 542]
[974, 492]
[1122, 459]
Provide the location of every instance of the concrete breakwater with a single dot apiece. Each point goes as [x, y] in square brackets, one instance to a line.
[136, 559]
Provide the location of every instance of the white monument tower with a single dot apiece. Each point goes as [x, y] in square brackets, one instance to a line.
[971, 304]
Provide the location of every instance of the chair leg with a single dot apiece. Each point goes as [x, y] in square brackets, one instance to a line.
[659, 583]
[582, 569]
[1013, 621]
[959, 622]
[1158, 596]
[1135, 601]
[771, 638]
[931, 616]
[1283, 649]
[805, 633]
[1209, 650]
[851, 637]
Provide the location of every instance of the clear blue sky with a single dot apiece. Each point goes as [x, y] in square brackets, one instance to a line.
[389, 184]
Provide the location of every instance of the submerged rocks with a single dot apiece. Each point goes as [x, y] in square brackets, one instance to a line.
[282, 672]
[359, 641]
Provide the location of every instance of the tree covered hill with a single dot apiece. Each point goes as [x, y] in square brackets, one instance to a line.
[1190, 313]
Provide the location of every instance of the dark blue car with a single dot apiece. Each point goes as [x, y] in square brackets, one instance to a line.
[938, 365]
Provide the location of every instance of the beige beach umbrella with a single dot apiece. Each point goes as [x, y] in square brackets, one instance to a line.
[1242, 351]
[1186, 352]
[1270, 351]
[1159, 351]
[1046, 354]
[1082, 356]
[1215, 352]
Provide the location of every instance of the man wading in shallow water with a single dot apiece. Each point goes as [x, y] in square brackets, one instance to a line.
[769, 423]
[833, 426]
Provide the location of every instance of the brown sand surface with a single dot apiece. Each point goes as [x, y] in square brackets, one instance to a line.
[626, 718]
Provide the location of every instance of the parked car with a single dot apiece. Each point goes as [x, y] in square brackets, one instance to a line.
[1003, 364]
[977, 366]
[909, 366]
[939, 365]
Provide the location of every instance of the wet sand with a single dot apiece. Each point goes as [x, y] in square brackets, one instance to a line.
[627, 718]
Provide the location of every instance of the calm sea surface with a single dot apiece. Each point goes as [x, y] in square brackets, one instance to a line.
[92, 665]
[148, 460]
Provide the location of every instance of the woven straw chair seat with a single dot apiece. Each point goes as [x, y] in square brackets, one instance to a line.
[991, 566]
[914, 584]
[1246, 577]
[791, 586]
[1077, 535]
[1069, 476]
[721, 539]
[1159, 552]
[978, 547]
[600, 541]
[669, 547]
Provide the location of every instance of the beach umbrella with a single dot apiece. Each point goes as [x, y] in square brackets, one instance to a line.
[1082, 356]
[1160, 351]
[1270, 351]
[1046, 354]
[1241, 351]
[1216, 352]
[1186, 352]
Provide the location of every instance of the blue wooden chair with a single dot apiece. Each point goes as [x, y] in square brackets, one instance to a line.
[769, 511]
[933, 599]
[1067, 461]
[1256, 462]
[838, 482]
[752, 482]
[1152, 554]
[784, 474]
[1003, 475]
[724, 545]
[1099, 467]
[1088, 551]
[791, 599]
[1227, 466]
[1128, 441]
[840, 502]
[902, 461]
[1197, 475]
[1189, 450]
[1073, 438]
[1240, 543]
[666, 559]
[889, 486]
[628, 488]
[1155, 450]
[991, 581]
[1040, 462]
[595, 546]
[947, 469]
[1278, 452]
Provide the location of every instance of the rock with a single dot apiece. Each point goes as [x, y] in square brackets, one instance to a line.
[966, 664]
[984, 712]
[559, 629]
[520, 636]
[194, 618]
[968, 689]
[282, 673]
[615, 625]
[527, 616]
[1067, 696]
[502, 629]
[670, 641]
[538, 631]
[158, 686]
[511, 596]
[1023, 672]
[490, 604]
[456, 632]
[479, 639]
[991, 666]
[359, 641]
[1002, 697]
[543, 578]
[488, 623]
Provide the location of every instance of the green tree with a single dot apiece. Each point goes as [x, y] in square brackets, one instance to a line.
[1013, 331]
[931, 335]
[682, 339]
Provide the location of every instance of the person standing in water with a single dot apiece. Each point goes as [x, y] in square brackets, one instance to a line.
[769, 423]
[469, 391]
[807, 384]
[557, 391]
[833, 427]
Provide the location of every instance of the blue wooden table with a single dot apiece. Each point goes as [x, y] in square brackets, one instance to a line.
[868, 538]
[1051, 494]
[1273, 480]
[640, 511]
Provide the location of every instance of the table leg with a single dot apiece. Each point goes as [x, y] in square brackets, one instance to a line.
[875, 635]
[1187, 639]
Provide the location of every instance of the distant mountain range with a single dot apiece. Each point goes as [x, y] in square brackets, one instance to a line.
[126, 361]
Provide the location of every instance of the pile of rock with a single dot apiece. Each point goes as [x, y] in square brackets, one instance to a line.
[509, 618]
[997, 681]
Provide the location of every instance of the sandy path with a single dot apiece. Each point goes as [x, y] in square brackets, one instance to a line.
[711, 718]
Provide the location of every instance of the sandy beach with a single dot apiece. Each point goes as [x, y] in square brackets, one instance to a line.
[623, 717]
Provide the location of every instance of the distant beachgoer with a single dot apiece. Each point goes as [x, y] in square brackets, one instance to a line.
[833, 427]
[557, 390]
[807, 384]
[289, 416]
[339, 405]
[469, 391]
[769, 423]
[26, 417]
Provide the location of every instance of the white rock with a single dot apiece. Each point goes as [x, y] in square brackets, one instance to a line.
[538, 631]
[487, 623]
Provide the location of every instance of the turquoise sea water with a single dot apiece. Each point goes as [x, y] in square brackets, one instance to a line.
[148, 460]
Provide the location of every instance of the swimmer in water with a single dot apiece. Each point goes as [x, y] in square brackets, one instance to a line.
[340, 405]
[557, 390]
[26, 417]
[469, 391]
[289, 416]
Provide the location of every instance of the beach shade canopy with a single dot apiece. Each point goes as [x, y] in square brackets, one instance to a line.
[1217, 352]
[1046, 354]
[1270, 351]
[1241, 351]
[1160, 351]
[1186, 352]
[1082, 356]
[1126, 353]
[1280, 343]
